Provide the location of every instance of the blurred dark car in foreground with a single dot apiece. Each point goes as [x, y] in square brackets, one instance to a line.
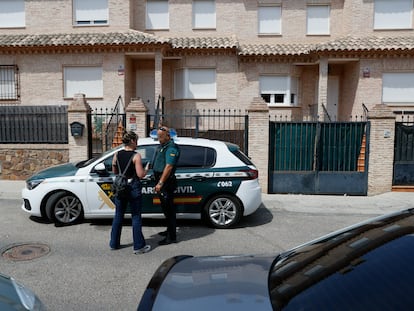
[368, 266]
[15, 296]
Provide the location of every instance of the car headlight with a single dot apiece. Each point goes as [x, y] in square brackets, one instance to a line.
[33, 183]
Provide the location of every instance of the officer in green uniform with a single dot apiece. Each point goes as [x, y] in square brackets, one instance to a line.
[164, 166]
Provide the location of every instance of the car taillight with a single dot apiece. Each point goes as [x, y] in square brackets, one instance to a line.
[251, 173]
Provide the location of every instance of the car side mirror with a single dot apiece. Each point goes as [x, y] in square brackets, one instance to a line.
[101, 169]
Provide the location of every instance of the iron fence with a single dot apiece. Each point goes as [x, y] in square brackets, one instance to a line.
[106, 124]
[33, 124]
[227, 125]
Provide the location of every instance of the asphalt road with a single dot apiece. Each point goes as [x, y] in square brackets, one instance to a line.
[81, 273]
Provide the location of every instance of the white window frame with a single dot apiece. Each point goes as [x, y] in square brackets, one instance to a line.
[12, 14]
[86, 80]
[90, 12]
[396, 14]
[398, 87]
[195, 83]
[204, 14]
[279, 90]
[318, 19]
[157, 15]
[8, 82]
[270, 20]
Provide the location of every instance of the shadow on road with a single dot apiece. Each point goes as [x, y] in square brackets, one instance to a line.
[261, 217]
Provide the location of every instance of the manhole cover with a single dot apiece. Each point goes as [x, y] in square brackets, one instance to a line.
[27, 251]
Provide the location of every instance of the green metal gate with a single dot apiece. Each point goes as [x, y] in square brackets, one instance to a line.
[404, 154]
[319, 157]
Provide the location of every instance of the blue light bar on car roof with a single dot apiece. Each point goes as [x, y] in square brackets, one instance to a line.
[173, 134]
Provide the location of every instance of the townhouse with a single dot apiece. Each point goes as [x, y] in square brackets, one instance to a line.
[299, 56]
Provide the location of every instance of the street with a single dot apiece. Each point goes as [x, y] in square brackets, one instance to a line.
[81, 273]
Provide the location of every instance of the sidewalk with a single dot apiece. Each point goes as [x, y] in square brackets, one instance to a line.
[339, 204]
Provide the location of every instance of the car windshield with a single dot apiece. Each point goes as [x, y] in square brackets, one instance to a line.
[91, 160]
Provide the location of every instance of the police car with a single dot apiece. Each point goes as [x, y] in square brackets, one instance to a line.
[216, 182]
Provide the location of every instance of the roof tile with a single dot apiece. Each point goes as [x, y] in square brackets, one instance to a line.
[204, 42]
[132, 37]
[79, 39]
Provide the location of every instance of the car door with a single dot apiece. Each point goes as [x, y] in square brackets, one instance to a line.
[194, 177]
[98, 188]
[151, 203]
[99, 195]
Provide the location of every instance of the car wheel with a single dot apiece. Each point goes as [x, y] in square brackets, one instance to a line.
[64, 208]
[223, 211]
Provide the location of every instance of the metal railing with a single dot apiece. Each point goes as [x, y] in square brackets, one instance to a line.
[105, 124]
[33, 124]
[228, 125]
[9, 83]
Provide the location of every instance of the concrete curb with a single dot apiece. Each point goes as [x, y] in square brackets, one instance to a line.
[378, 204]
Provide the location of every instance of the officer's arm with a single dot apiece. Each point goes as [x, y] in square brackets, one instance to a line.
[165, 174]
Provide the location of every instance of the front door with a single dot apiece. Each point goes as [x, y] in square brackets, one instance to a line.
[333, 97]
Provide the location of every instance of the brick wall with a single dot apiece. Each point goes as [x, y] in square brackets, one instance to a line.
[381, 152]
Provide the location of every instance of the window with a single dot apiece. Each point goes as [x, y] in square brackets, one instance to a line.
[395, 14]
[196, 156]
[317, 22]
[91, 12]
[279, 90]
[270, 20]
[195, 83]
[204, 14]
[9, 82]
[398, 87]
[157, 15]
[12, 13]
[85, 80]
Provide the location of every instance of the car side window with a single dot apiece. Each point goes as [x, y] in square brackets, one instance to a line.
[147, 153]
[196, 156]
[108, 164]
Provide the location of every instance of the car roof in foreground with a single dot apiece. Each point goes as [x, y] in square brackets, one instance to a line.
[368, 266]
[210, 283]
[364, 267]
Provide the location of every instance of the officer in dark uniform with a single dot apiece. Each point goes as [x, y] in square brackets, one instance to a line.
[164, 166]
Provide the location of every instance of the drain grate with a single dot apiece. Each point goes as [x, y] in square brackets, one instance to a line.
[26, 251]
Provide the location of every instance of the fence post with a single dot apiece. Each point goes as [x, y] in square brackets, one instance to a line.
[78, 111]
[258, 137]
[381, 149]
[136, 117]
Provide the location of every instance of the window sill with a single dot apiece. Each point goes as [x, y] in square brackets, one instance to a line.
[13, 27]
[399, 104]
[90, 25]
[193, 99]
[283, 106]
[393, 29]
[92, 98]
[205, 29]
[318, 35]
[269, 34]
[158, 29]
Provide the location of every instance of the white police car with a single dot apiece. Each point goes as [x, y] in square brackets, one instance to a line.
[216, 182]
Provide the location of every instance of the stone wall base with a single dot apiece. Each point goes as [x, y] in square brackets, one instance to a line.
[20, 162]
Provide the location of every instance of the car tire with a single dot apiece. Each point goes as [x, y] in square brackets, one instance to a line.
[223, 211]
[64, 208]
